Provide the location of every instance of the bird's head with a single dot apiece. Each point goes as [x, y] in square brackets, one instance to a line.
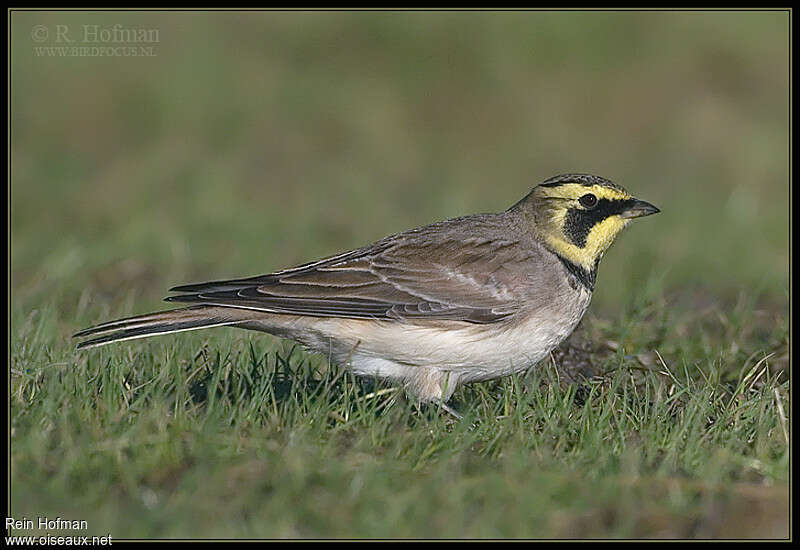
[578, 216]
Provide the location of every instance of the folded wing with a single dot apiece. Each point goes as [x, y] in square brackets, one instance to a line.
[394, 279]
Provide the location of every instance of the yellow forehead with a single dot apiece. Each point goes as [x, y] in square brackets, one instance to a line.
[577, 190]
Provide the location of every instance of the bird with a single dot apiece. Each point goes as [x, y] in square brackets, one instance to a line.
[468, 299]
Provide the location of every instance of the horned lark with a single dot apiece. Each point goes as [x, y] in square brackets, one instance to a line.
[458, 301]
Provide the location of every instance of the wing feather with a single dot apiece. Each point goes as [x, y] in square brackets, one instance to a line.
[400, 278]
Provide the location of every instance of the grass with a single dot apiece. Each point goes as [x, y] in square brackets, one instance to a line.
[252, 142]
[223, 435]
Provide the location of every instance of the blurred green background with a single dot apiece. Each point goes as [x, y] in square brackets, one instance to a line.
[252, 141]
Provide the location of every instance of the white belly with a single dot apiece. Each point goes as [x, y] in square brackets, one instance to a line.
[433, 359]
[473, 352]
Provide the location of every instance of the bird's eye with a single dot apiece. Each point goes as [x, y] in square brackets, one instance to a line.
[588, 201]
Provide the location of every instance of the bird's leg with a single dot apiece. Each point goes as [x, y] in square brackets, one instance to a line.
[452, 411]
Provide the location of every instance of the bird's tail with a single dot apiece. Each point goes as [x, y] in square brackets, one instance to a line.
[163, 322]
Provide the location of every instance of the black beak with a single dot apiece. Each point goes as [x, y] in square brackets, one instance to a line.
[639, 209]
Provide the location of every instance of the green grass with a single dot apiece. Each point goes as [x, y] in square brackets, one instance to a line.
[228, 436]
[252, 142]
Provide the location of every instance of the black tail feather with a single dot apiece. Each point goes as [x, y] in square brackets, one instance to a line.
[165, 322]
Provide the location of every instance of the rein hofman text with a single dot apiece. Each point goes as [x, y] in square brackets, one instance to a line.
[47, 524]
